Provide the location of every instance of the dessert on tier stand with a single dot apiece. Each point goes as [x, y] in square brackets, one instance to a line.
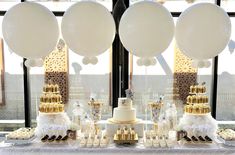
[197, 121]
[125, 136]
[52, 121]
[164, 118]
[95, 110]
[91, 134]
[155, 109]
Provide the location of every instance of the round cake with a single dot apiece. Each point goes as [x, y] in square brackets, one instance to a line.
[124, 112]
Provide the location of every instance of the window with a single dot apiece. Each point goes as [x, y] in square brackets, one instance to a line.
[228, 5]
[85, 81]
[226, 80]
[11, 90]
[7, 4]
[177, 5]
[63, 5]
[36, 78]
[148, 83]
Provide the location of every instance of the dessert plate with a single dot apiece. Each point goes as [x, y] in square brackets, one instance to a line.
[19, 141]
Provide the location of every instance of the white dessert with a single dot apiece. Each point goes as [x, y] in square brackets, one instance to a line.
[124, 112]
[104, 142]
[155, 142]
[148, 142]
[170, 142]
[21, 134]
[227, 134]
[162, 143]
[83, 142]
[89, 142]
[96, 142]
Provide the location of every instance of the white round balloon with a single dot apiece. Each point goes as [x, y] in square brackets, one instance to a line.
[85, 60]
[207, 64]
[139, 62]
[203, 31]
[30, 30]
[34, 62]
[146, 29]
[88, 28]
[153, 61]
[201, 64]
[94, 60]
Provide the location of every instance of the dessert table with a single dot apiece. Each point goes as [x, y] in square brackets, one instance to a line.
[73, 148]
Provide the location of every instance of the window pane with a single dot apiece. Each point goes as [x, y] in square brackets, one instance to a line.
[36, 78]
[11, 89]
[63, 5]
[7, 4]
[177, 5]
[86, 81]
[228, 5]
[149, 83]
[226, 81]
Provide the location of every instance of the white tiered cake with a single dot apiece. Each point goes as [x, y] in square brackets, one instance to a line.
[124, 113]
[124, 116]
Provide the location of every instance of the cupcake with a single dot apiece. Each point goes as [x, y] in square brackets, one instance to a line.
[133, 135]
[61, 107]
[47, 106]
[119, 134]
[126, 134]
[194, 98]
[203, 89]
[192, 90]
[189, 99]
[51, 109]
[55, 107]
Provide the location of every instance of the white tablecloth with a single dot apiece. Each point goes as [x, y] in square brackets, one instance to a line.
[73, 148]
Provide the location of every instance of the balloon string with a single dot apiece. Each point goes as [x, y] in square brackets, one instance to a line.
[120, 80]
[146, 87]
[198, 75]
[146, 80]
[31, 83]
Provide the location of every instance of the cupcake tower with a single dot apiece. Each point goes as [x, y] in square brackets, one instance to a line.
[197, 101]
[52, 121]
[51, 100]
[197, 123]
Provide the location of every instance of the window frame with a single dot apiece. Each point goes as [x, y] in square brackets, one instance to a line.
[120, 59]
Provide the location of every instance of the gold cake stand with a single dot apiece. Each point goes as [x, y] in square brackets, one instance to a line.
[125, 141]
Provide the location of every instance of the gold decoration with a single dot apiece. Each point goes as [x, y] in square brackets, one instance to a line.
[56, 69]
[125, 136]
[184, 74]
